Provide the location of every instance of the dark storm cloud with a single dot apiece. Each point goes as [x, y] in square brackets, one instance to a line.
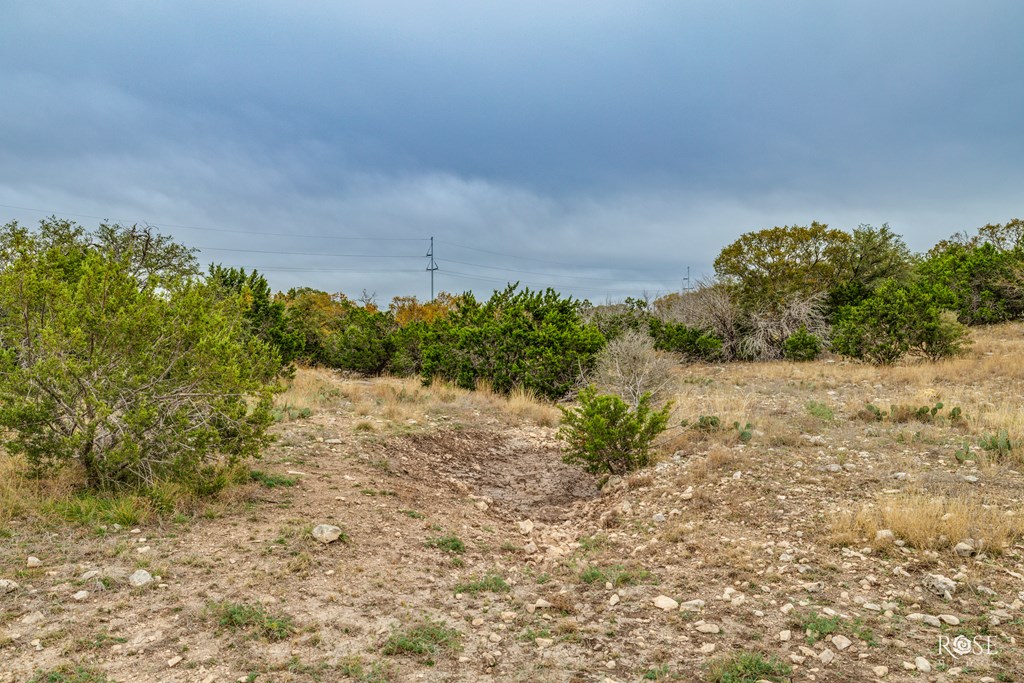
[627, 140]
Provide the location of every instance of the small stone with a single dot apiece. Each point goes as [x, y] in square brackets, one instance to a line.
[140, 578]
[89, 575]
[707, 648]
[940, 585]
[173, 661]
[663, 602]
[787, 608]
[884, 536]
[480, 505]
[494, 638]
[525, 526]
[826, 657]
[80, 595]
[326, 533]
[659, 517]
[922, 665]
[692, 605]
[931, 621]
[964, 549]
[841, 642]
[7, 586]
[508, 617]
[784, 636]
[614, 600]
[872, 606]
[950, 619]
[880, 671]
[34, 562]
[707, 628]
[32, 618]
[544, 642]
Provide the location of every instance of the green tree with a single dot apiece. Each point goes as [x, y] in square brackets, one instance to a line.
[987, 282]
[769, 267]
[134, 374]
[872, 256]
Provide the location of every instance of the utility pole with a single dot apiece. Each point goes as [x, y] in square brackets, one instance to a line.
[432, 266]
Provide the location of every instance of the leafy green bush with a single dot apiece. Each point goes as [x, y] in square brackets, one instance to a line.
[605, 435]
[533, 340]
[987, 282]
[900, 319]
[801, 346]
[359, 341]
[119, 358]
[691, 343]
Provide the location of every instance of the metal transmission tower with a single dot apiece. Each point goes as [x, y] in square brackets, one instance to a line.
[687, 287]
[432, 266]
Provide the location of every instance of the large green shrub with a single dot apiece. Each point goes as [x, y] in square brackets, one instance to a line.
[517, 338]
[986, 281]
[900, 319]
[801, 346]
[606, 435]
[124, 362]
[690, 342]
[358, 340]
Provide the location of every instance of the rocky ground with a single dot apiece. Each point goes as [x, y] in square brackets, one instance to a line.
[821, 544]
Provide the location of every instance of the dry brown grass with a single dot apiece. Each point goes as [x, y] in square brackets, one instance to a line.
[313, 388]
[931, 522]
[22, 496]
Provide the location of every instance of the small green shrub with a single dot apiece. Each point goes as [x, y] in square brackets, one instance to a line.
[605, 435]
[801, 346]
[748, 667]
[820, 410]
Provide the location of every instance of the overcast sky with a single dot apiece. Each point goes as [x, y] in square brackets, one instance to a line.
[595, 146]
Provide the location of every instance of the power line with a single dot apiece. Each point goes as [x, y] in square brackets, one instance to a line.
[532, 272]
[304, 253]
[226, 230]
[521, 258]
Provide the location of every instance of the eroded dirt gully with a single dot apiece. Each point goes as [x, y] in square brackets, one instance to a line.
[391, 489]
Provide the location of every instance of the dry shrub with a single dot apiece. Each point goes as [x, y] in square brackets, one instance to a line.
[931, 522]
[767, 329]
[630, 367]
[21, 495]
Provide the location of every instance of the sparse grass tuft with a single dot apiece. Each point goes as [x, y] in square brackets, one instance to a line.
[271, 480]
[70, 673]
[491, 583]
[423, 640]
[449, 544]
[240, 616]
[748, 667]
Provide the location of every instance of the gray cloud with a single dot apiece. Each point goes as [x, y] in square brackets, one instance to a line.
[627, 141]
